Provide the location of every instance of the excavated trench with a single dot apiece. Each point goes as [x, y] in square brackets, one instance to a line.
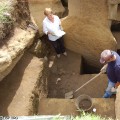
[65, 74]
[68, 73]
[71, 72]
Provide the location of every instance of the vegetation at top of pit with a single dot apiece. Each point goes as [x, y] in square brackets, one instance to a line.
[5, 11]
[83, 116]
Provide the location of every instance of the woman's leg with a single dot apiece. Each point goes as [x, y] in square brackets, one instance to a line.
[56, 46]
[108, 92]
[61, 44]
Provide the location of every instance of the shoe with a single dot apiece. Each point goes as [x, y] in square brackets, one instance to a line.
[65, 53]
[58, 55]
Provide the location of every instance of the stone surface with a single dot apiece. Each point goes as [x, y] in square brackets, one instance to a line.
[18, 88]
[117, 37]
[87, 29]
[104, 107]
[20, 37]
[37, 10]
[72, 73]
[113, 10]
[117, 104]
[11, 53]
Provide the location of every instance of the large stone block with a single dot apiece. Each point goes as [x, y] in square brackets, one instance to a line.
[87, 29]
[117, 104]
[113, 9]
[16, 46]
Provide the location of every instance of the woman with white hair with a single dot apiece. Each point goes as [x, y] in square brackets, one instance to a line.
[52, 27]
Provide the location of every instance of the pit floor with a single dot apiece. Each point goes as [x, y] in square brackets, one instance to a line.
[65, 77]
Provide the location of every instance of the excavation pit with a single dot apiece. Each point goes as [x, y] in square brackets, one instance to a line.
[65, 77]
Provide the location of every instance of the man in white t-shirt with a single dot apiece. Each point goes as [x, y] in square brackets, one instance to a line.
[52, 27]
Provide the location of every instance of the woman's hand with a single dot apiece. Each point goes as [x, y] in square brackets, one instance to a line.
[50, 33]
[61, 27]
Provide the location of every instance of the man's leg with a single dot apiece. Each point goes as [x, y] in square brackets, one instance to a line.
[108, 92]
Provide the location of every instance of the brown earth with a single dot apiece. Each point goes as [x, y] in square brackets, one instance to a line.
[65, 107]
[18, 88]
[65, 77]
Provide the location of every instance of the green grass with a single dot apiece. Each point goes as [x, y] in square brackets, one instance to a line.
[83, 116]
[5, 8]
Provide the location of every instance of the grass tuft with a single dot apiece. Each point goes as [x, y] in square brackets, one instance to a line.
[83, 116]
[5, 8]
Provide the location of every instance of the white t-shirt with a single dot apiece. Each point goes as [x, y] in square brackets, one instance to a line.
[54, 28]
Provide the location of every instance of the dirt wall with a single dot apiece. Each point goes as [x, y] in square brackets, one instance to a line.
[37, 10]
[87, 29]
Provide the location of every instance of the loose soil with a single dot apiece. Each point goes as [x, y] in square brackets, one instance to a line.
[85, 104]
[65, 77]
[16, 89]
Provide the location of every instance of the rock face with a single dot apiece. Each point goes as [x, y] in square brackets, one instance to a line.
[21, 37]
[113, 10]
[37, 10]
[87, 29]
[16, 46]
[117, 104]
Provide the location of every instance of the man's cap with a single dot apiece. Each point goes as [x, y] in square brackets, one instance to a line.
[105, 56]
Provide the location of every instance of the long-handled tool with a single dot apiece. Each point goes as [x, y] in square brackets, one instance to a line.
[69, 95]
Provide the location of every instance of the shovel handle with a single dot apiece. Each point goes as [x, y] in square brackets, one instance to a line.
[88, 82]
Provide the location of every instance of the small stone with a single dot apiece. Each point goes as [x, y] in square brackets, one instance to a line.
[94, 109]
[73, 73]
[58, 79]
[45, 58]
[51, 64]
